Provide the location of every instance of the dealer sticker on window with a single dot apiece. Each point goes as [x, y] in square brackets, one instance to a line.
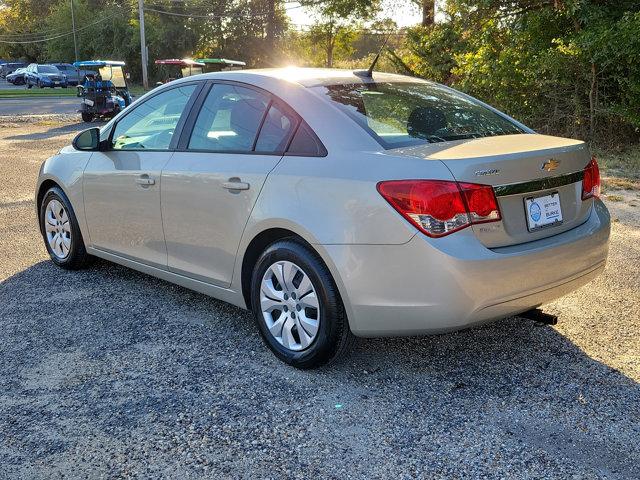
[542, 212]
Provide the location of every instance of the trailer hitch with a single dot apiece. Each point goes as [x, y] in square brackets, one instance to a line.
[539, 316]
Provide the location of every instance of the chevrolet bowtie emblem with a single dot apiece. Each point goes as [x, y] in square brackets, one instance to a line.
[550, 165]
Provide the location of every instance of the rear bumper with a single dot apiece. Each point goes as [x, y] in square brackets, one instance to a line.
[436, 285]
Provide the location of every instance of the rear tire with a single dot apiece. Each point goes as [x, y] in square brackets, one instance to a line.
[325, 335]
[60, 231]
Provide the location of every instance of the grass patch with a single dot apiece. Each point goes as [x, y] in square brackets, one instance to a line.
[39, 92]
[620, 170]
[137, 90]
[618, 183]
[624, 164]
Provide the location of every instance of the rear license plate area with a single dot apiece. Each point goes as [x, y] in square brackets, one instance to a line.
[543, 211]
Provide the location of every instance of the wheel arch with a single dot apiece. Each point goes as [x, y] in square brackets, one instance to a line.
[254, 249]
[266, 237]
[43, 188]
[73, 194]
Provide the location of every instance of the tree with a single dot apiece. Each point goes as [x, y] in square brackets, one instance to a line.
[335, 19]
[563, 66]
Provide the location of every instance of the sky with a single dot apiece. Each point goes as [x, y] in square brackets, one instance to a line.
[402, 11]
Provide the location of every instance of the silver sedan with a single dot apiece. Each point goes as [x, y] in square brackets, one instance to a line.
[331, 203]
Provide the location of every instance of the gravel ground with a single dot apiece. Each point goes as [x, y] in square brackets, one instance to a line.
[108, 373]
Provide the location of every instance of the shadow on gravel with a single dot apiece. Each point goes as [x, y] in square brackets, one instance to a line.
[106, 371]
[56, 131]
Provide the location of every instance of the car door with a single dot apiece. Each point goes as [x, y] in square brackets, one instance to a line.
[122, 184]
[29, 75]
[229, 146]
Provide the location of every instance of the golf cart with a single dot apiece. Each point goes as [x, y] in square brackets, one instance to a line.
[104, 93]
[173, 68]
[219, 64]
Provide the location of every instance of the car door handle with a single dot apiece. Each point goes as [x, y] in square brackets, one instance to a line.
[145, 180]
[235, 184]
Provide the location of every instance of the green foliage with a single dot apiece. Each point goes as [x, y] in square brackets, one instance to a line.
[110, 29]
[566, 67]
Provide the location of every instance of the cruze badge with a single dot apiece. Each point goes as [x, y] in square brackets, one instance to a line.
[550, 165]
[484, 173]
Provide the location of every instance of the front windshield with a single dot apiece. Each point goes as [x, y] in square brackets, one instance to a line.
[47, 69]
[403, 114]
[113, 74]
[191, 70]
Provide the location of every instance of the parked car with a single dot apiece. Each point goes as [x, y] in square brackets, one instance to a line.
[330, 203]
[44, 76]
[10, 67]
[17, 76]
[75, 76]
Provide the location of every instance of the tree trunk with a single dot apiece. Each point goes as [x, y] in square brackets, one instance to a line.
[330, 43]
[271, 26]
[428, 12]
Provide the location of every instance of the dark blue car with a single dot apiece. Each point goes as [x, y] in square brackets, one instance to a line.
[44, 76]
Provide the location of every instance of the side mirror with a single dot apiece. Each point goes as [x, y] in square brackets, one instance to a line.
[88, 140]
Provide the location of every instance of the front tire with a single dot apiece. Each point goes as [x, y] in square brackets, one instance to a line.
[87, 117]
[297, 306]
[60, 231]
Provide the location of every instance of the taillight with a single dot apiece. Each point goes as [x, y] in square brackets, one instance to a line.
[591, 180]
[441, 207]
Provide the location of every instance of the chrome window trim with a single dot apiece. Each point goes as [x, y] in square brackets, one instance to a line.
[537, 185]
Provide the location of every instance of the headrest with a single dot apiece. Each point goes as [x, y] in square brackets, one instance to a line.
[424, 122]
[246, 115]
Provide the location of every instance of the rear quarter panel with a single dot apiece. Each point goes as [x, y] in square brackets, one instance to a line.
[334, 199]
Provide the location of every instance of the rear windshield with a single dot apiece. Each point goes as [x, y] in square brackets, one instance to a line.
[403, 114]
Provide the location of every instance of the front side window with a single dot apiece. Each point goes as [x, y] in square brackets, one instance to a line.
[229, 119]
[151, 124]
[402, 114]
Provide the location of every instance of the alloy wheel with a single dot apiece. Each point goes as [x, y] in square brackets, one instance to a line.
[57, 229]
[290, 306]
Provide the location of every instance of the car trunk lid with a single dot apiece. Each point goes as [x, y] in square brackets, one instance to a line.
[523, 169]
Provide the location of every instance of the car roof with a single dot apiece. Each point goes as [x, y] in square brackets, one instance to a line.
[98, 63]
[309, 77]
[185, 62]
[223, 61]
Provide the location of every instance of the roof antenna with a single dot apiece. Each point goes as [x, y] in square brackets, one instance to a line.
[369, 72]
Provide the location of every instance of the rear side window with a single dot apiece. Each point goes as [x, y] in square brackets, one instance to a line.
[229, 119]
[306, 144]
[276, 130]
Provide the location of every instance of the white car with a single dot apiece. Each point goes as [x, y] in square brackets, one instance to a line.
[332, 203]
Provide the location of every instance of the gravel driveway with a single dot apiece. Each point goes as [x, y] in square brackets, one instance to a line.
[108, 373]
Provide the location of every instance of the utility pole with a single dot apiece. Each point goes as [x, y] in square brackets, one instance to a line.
[73, 26]
[143, 46]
